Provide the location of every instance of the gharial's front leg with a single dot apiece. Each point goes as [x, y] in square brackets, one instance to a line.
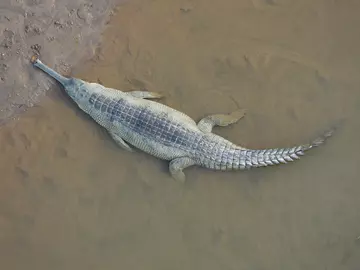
[144, 94]
[207, 123]
[177, 166]
[120, 142]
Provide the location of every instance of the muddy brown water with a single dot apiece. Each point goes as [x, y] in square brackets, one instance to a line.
[71, 199]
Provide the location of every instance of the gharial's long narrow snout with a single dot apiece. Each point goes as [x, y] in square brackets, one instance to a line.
[37, 63]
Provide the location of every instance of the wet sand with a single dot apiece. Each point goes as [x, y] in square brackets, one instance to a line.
[71, 199]
[65, 32]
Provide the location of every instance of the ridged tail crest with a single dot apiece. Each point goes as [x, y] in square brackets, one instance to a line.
[261, 158]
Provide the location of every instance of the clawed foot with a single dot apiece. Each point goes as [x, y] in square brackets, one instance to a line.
[145, 94]
[207, 123]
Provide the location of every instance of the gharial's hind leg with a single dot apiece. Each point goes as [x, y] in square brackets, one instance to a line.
[207, 123]
[177, 166]
[144, 94]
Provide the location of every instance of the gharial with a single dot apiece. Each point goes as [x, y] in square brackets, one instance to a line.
[133, 118]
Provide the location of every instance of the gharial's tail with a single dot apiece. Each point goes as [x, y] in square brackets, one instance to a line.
[250, 158]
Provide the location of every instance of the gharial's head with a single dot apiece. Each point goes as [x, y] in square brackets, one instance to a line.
[77, 89]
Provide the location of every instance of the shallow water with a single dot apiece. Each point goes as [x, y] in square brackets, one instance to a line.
[71, 199]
